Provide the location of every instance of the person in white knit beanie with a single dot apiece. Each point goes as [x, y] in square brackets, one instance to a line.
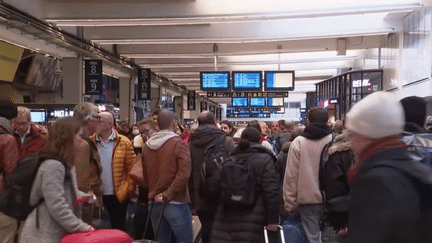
[384, 202]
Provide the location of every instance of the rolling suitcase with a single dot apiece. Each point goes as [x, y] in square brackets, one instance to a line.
[98, 236]
[147, 224]
[281, 232]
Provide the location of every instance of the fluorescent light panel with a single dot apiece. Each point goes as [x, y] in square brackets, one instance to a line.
[236, 40]
[205, 20]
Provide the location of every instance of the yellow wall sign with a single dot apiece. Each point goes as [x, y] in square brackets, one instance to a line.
[10, 57]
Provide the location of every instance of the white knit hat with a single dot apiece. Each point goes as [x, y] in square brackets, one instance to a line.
[378, 115]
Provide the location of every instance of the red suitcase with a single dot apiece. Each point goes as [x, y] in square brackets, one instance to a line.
[98, 236]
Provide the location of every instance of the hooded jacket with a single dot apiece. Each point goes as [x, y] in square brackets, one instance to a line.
[247, 225]
[203, 136]
[8, 151]
[341, 159]
[166, 167]
[301, 183]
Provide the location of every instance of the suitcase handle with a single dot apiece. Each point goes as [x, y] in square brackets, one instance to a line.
[160, 218]
[280, 231]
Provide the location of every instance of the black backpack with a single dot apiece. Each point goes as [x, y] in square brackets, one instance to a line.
[215, 155]
[238, 185]
[15, 199]
[323, 162]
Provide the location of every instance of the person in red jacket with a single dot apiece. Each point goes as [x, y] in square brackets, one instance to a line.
[29, 137]
[8, 159]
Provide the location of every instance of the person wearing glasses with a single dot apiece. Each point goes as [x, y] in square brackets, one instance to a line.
[29, 137]
[117, 159]
[87, 162]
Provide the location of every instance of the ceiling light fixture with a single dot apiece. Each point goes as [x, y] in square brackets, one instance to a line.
[232, 18]
[236, 40]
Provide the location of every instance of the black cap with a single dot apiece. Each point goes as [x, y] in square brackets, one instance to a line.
[8, 109]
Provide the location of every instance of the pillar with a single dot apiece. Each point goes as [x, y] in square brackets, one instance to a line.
[73, 80]
[126, 103]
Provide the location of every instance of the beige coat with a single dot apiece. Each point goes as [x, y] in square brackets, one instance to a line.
[301, 184]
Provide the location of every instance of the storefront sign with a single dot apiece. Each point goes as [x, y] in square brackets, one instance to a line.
[93, 77]
[191, 100]
[144, 83]
[10, 57]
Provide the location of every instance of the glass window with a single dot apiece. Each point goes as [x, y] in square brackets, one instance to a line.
[374, 79]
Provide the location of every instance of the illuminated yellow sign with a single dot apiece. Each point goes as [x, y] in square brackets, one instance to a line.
[10, 57]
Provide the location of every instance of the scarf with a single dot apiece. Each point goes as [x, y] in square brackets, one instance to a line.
[376, 147]
[316, 130]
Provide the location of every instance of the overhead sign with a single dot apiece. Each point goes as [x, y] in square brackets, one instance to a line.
[144, 83]
[191, 100]
[93, 76]
[10, 57]
[203, 106]
[229, 94]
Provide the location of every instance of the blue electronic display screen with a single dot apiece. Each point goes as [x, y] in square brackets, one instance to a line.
[279, 80]
[215, 81]
[257, 102]
[275, 102]
[247, 80]
[37, 116]
[240, 102]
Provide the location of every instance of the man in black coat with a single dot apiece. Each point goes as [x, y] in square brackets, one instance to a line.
[207, 133]
[384, 204]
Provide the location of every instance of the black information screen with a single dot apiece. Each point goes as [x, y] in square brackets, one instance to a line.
[215, 80]
[247, 80]
[257, 102]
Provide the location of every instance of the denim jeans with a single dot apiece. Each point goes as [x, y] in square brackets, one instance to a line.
[310, 216]
[177, 218]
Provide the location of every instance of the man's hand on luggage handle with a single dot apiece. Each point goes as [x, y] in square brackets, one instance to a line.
[159, 198]
[272, 227]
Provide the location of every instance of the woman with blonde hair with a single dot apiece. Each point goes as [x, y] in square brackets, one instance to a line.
[55, 188]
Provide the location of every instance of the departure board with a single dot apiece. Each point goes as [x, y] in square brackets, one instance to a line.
[240, 102]
[215, 81]
[275, 102]
[257, 101]
[279, 80]
[247, 80]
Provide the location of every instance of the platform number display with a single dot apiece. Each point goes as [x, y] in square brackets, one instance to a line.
[191, 99]
[144, 83]
[203, 106]
[93, 77]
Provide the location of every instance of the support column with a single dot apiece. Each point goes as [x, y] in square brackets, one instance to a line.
[126, 103]
[73, 80]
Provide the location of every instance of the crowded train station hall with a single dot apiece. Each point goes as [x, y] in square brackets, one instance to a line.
[216, 121]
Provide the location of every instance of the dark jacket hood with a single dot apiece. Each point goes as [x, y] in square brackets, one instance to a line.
[254, 148]
[341, 143]
[205, 134]
[316, 130]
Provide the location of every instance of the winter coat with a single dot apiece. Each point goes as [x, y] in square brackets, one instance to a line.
[33, 142]
[122, 163]
[341, 159]
[301, 183]
[88, 167]
[58, 186]
[247, 225]
[166, 167]
[8, 151]
[203, 136]
[384, 204]
[281, 160]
